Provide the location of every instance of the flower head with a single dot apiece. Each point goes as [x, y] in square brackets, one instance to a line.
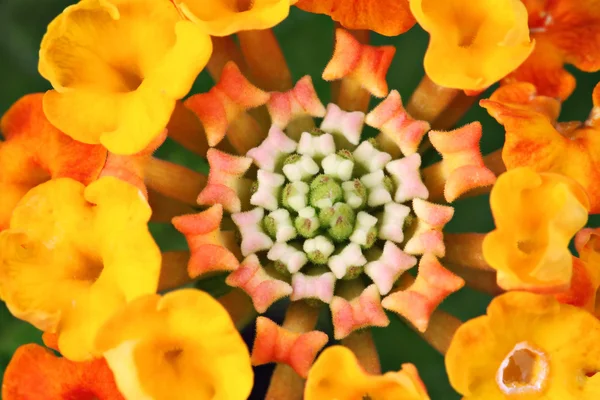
[522, 349]
[121, 64]
[473, 44]
[179, 346]
[73, 255]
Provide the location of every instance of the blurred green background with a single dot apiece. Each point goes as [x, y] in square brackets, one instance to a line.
[307, 41]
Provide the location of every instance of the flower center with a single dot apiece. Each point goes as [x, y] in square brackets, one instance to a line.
[244, 5]
[524, 370]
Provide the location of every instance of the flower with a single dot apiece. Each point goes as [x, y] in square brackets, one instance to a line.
[565, 32]
[536, 140]
[225, 17]
[121, 64]
[387, 17]
[179, 346]
[473, 44]
[36, 373]
[527, 345]
[73, 255]
[536, 216]
[337, 374]
[34, 151]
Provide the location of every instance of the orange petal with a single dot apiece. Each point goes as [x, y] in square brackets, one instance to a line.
[301, 100]
[387, 17]
[525, 95]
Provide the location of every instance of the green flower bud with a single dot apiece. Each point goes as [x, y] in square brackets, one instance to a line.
[294, 196]
[388, 183]
[307, 223]
[341, 224]
[325, 215]
[371, 238]
[292, 158]
[355, 194]
[270, 226]
[325, 191]
[345, 154]
[353, 272]
[319, 249]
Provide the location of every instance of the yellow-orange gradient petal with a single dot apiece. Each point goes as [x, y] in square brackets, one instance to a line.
[34, 151]
[36, 373]
[528, 346]
[117, 67]
[180, 346]
[73, 255]
[565, 32]
[473, 44]
[225, 17]
[387, 17]
[536, 216]
[337, 375]
[536, 141]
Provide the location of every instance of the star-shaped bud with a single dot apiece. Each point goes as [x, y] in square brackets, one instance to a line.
[344, 124]
[396, 125]
[267, 192]
[316, 146]
[338, 166]
[433, 284]
[318, 249]
[389, 267]
[371, 159]
[427, 236]
[301, 100]
[272, 150]
[298, 168]
[307, 223]
[365, 64]
[277, 344]
[319, 287]
[295, 195]
[263, 289]
[392, 221]
[407, 178]
[278, 225]
[287, 257]
[225, 184]
[249, 224]
[348, 263]
[355, 193]
[379, 194]
[462, 168]
[209, 247]
[230, 97]
[365, 230]
[361, 312]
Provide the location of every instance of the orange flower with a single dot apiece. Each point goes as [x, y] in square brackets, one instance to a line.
[225, 17]
[337, 375]
[535, 140]
[528, 346]
[387, 17]
[34, 151]
[117, 68]
[536, 216]
[179, 346]
[565, 32]
[473, 44]
[36, 373]
[73, 255]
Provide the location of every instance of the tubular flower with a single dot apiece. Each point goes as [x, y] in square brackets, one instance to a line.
[565, 32]
[337, 375]
[36, 373]
[179, 346]
[387, 17]
[73, 255]
[534, 139]
[122, 64]
[536, 216]
[521, 349]
[473, 44]
[225, 17]
[34, 151]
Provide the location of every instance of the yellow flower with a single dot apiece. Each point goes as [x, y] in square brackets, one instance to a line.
[225, 17]
[536, 216]
[73, 255]
[180, 346]
[528, 346]
[337, 375]
[473, 44]
[117, 67]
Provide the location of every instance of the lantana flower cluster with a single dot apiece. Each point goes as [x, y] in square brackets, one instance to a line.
[308, 205]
